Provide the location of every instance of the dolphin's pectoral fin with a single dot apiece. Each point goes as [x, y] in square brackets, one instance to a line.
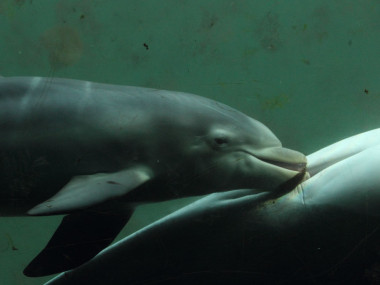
[90, 190]
[79, 237]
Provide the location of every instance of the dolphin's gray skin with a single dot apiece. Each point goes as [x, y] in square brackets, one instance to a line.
[68, 145]
[325, 231]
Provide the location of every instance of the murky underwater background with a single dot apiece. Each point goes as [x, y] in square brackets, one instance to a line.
[307, 69]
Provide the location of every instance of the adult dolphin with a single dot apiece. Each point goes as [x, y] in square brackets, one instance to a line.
[79, 145]
[325, 231]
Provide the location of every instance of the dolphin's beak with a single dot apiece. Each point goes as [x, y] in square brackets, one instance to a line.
[282, 157]
[299, 167]
[286, 159]
[274, 167]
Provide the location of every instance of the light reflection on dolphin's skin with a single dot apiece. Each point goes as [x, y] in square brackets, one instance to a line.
[325, 231]
[69, 145]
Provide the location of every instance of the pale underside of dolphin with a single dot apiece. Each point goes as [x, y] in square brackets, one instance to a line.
[93, 150]
[325, 231]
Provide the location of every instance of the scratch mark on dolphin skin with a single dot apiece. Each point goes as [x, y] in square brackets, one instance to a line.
[113, 182]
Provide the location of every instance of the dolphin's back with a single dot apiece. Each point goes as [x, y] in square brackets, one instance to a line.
[43, 105]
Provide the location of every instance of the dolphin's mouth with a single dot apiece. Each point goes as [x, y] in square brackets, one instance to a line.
[300, 167]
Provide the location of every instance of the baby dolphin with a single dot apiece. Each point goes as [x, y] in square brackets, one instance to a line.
[67, 146]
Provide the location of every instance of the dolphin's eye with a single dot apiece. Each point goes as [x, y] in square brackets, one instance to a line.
[219, 138]
[220, 141]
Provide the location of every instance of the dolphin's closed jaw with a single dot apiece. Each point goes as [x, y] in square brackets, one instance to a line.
[299, 167]
[282, 157]
[274, 168]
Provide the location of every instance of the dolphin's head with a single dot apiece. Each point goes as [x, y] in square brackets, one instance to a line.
[244, 153]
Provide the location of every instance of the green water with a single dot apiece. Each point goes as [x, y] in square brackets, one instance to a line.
[307, 69]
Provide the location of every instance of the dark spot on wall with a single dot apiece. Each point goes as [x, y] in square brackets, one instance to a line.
[321, 18]
[366, 91]
[79, 14]
[135, 59]
[275, 102]
[306, 61]
[317, 27]
[7, 7]
[146, 46]
[350, 43]
[268, 32]
[19, 2]
[64, 46]
[208, 21]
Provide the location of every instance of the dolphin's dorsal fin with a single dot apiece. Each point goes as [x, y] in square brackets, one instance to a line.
[90, 190]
